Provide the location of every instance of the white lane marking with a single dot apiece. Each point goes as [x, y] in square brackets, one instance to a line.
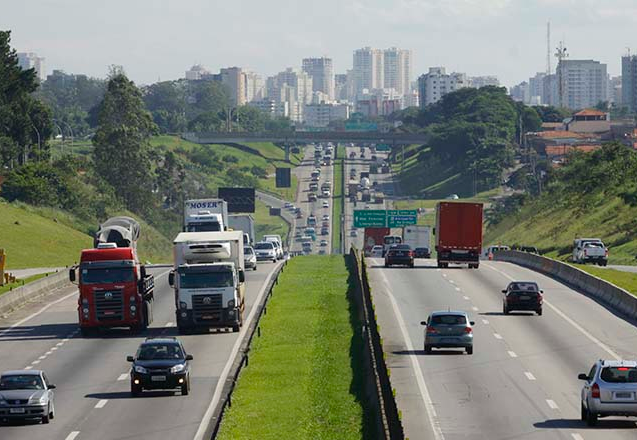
[576, 436]
[444, 275]
[592, 338]
[497, 336]
[59, 344]
[39, 312]
[474, 308]
[529, 375]
[169, 324]
[48, 352]
[203, 425]
[65, 340]
[512, 354]
[466, 298]
[35, 362]
[458, 289]
[452, 281]
[54, 348]
[424, 392]
[551, 404]
[28, 367]
[123, 376]
[439, 270]
[485, 321]
[42, 357]
[72, 435]
[101, 403]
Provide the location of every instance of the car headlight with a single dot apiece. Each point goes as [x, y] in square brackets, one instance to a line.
[2, 402]
[183, 305]
[141, 370]
[38, 400]
[231, 304]
[178, 368]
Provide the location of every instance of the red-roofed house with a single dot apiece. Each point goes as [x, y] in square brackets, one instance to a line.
[588, 121]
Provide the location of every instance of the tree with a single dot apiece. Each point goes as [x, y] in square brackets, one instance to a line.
[25, 123]
[552, 114]
[122, 147]
[167, 103]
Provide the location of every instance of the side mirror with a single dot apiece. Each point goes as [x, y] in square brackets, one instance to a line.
[72, 275]
[582, 376]
[472, 322]
[189, 357]
[171, 278]
[242, 276]
[504, 291]
[142, 271]
[541, 291]
[130, 359]
[52, 387]
[423, 322]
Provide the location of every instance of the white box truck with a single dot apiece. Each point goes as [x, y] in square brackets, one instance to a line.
[243, 223]
[205, 215]
[209, 280]
[419, 239]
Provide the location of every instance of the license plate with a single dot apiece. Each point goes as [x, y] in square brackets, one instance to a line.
[623, 395]
[448, 340]
[158, 378]
[525, 298]
[16, 411]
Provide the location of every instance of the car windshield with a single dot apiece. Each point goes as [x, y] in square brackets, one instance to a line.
[21, 382]
[593, 245]
[448, 320]
[247, 251]
[107, 275]
[268, 246]
[203, 227]
[401, 247]
[393, 240]
[153, 352]
[619, 374]
[197, 280]
[523, 287]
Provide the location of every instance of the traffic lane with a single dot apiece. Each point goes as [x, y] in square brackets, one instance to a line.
[482, 396]
[559, 345]
[87, 370]
[168, 414]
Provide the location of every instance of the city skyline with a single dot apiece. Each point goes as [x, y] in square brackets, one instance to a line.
[505, 38]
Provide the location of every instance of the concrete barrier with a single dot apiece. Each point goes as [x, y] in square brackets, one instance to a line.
[615, 298]
[35, 289]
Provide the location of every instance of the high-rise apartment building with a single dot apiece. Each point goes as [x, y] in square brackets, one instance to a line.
[292, 86]
[629, 82]
[397, 70]
[30, 60]
[482, 81]
[255, 87]
[196, 73]
[234, 79]
[434, 85]
[581, 83]
[322, 72]
[368, 69]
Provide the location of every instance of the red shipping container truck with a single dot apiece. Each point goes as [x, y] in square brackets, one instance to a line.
[458, 233]
[374, 236]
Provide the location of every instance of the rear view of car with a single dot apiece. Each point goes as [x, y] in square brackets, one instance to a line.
[448, 330]
[522, 296]
[610, 389]
[249, 258]
[400, 254]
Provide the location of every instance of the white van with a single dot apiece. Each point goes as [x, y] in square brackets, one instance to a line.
[278, 243]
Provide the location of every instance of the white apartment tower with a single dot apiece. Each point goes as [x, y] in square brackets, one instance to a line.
[30, 60]
[234, 79]
[322, 72]
[434, 85]
[368, 69]
[583, 83]
[397, 70]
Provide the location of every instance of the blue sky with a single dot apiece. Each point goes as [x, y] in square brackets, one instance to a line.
[160, 39]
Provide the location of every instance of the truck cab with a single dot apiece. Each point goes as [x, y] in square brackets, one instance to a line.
[204, 221]
[390, 240]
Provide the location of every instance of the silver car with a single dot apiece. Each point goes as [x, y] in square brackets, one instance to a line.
[26, 394]
[610, 389]
[249, 258]
[448, 329]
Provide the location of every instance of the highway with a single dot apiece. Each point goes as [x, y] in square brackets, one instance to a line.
[92, 375]
[521, 381]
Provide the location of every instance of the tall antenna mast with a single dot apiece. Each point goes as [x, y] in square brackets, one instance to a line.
[548, 48]
[560, 54]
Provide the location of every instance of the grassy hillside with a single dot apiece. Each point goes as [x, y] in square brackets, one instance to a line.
[593, 195]
[265, 224]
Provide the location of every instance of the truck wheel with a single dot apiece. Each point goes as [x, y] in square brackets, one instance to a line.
[184, 330]
[87, 332]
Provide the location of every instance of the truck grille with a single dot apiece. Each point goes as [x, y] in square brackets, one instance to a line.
[109, 305]
[207, 307]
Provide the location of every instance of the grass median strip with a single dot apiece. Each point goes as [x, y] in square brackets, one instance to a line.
[337, 200]
[305, 376]
[625, 280]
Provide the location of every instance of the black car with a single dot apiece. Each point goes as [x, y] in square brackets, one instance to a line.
[522, 295]
[399, 254]
[422, 252]
[160, 364]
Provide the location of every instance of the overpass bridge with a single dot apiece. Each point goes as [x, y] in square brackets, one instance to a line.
[303, 137]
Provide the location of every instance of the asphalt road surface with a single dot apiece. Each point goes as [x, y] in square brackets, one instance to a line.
[521, 382]
[92, 375]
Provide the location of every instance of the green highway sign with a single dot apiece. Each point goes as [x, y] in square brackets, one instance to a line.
[380, 218]
[361, 126]
[383, 147]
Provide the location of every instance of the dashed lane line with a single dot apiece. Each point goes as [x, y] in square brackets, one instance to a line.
[551, 404]
[485, 321]
[529, 375]
[101, 403]
[512, 354]
[72, 435]
[123, 376]
[576, 436]
[497, 336]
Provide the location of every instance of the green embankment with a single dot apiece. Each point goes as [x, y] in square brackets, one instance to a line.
[264, 223]
[304, 379]
[625, 280]
[20, 282]
[337, 198]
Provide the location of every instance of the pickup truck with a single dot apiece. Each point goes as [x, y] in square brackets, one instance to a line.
[590, 250]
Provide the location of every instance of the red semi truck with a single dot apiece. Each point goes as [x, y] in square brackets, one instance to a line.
[458, 233]
[374, 236]
[114, 289]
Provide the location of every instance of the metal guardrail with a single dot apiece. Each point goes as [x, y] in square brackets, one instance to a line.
[305, 137]
[390, 425]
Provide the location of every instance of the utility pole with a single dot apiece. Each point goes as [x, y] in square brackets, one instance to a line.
[560, 54]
